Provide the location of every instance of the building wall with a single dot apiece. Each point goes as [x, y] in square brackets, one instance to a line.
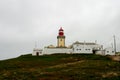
[82, 49]
[109, 51]
[78, 48]
[56, 50]
[61, 42]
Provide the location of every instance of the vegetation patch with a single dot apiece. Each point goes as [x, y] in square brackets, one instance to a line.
[60, 67]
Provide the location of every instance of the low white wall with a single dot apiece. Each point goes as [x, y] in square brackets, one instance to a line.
[102, 52]
[56, 50]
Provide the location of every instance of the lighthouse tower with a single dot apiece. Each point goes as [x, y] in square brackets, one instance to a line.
[61, 39]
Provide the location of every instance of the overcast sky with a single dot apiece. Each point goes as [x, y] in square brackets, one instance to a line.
[24, 22]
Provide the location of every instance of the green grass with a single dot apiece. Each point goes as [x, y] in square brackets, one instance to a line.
[60, 67]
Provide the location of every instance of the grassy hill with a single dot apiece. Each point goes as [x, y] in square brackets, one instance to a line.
[60, 67]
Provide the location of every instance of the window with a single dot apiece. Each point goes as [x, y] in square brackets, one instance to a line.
[112, 51]
[107, 51]
[89, 49]
[78, 49]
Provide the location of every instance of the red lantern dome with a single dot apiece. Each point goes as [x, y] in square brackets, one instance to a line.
[61, 32]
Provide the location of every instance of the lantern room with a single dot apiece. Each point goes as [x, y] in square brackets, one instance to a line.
[61, 32]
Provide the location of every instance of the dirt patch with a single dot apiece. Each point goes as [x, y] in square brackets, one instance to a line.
[109, 74]
[115, 58]
[66, 64]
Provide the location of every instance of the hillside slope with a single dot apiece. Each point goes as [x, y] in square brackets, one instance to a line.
[60, 67]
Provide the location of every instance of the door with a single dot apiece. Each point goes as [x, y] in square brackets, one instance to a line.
[37, 53]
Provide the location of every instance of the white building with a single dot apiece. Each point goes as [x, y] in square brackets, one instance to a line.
[109, 51]
[37, 52]
[75, 48]
[106, 51]
[83, 47]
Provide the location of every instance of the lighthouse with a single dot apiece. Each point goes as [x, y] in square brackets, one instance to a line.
[77, 47]
[61, 39]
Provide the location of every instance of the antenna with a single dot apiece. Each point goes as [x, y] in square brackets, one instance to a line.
[114, 43]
